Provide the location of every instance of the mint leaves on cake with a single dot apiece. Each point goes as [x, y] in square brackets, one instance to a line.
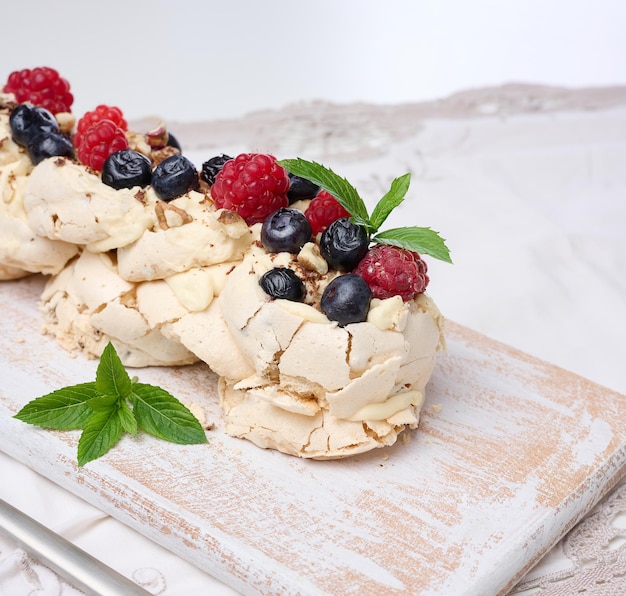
[111, 405]
[418, 239]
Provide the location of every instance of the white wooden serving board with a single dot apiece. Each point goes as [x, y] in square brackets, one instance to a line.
[510, 454]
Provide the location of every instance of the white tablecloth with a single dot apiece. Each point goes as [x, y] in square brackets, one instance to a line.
[528, 185]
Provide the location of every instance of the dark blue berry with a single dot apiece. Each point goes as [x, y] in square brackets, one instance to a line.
[282, 282]
[28, 121]
[346, 299]
[172, 141]
[343, 244]
[285, 230]
[126, 168]
[301, 188]
[49, 144]
[173, 177]
[212, 167]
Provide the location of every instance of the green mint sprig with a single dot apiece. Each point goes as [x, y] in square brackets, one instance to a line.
[421, 240]
[111, 405]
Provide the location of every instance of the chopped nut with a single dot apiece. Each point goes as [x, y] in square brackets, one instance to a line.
[7, 101]
[137, 142]
[157, 137]
[171, 216]
[140, 195]
[158, 155]
[66, 121]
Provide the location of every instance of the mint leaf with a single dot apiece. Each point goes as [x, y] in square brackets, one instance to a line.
[101, 432]
[394, 196]
[100, 408]
[339, 187]
[111, 376]
[104, 403]
[162, 415]
[127, 418]
[421, 240]
[63, 409]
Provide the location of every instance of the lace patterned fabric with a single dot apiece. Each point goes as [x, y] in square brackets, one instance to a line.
[593, 555]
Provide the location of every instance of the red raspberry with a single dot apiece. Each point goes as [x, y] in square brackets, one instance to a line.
[253, 185]
[323, 210]
[101, 140]
[102, 112]
[41, 86]
[392, 271]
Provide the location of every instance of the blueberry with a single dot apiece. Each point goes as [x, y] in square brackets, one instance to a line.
[28, 121]
[212, 167]
[125, 169]
[285, 230]
[301, 188]
[346, 299]
[172, 141]
[49, 144]
[173, 177]
[282, 282]
[343, 244]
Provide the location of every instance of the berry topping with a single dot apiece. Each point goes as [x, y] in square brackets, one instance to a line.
[126, 168]
[282, 282]
[285, 230]
[99, 141]
[346, 299]
[173, 177]
[172, 141]
[41, 86]
[323, 210]
[102, 112]
[421, 240]
[392, 271]
[253, 185]
[301, 188]
[343, 244]
[49, 144]
[28, 121]
[212, 167]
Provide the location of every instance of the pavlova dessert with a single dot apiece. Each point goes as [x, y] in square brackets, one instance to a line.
[270, 271]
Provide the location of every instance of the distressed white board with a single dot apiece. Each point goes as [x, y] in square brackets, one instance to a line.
[511, 452]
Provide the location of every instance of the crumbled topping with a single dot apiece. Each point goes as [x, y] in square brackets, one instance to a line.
[310, 258]
[171, 216]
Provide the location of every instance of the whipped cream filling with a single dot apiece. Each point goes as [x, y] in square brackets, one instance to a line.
[190, 233]
[66, 201]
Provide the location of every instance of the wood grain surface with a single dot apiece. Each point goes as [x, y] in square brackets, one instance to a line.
[511, 452]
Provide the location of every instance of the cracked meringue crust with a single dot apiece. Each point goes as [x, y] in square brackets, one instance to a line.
[319, 390]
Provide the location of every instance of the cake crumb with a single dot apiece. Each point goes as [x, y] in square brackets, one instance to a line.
[436, 408]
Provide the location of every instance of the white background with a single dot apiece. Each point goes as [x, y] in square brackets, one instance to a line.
[184, 60]
[191, 60]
